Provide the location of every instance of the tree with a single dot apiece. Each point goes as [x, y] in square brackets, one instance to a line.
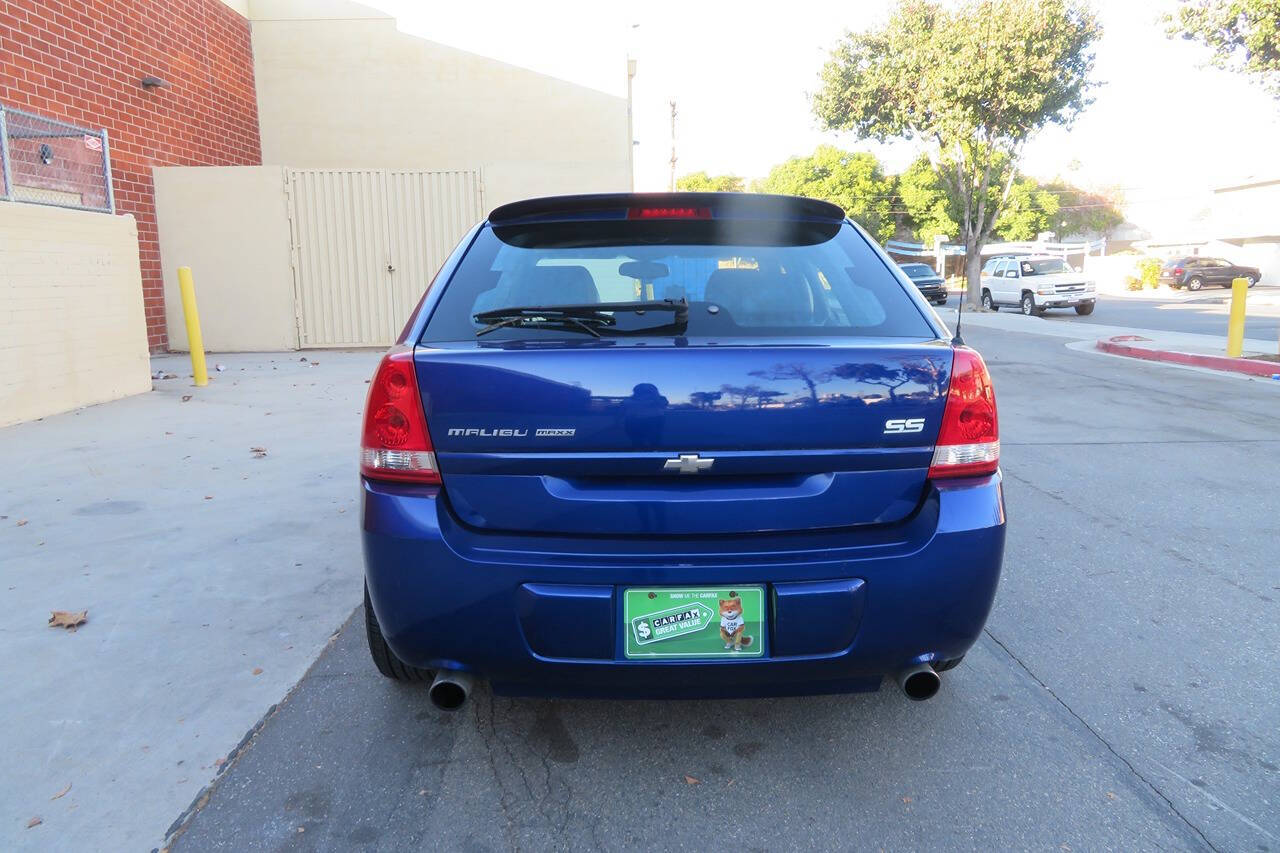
[973, 81]
[932, 207]
[1027, 211]
[929, 208]
[1242, 35]
[1082, 213]
[701, 182]
[853, 180]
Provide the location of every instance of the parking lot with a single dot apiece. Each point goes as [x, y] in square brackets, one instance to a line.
[1121, 697]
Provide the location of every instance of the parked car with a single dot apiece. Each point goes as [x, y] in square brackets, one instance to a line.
[931, 285]
[664, 445]
[1036, 283]
[1195, 272]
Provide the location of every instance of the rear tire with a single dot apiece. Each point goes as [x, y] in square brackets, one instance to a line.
[383, 658]
[988, 304]
[1195, 284]
[1029, 308]
[1084, 310]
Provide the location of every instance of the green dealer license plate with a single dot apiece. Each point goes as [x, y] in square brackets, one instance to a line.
[694, 622]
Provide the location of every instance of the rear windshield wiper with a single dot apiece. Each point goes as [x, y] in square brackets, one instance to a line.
[588, 318]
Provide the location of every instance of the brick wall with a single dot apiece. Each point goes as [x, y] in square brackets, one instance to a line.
[81, 60]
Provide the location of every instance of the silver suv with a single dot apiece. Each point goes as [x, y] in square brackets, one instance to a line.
[1035, 283]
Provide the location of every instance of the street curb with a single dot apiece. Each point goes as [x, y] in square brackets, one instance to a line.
[1115, 346]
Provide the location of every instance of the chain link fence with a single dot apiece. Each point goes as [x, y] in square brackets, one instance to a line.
[43, 161]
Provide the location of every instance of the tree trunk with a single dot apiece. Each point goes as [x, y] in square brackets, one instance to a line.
[973, 270]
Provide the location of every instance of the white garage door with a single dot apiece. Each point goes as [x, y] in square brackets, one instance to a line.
[366, 243]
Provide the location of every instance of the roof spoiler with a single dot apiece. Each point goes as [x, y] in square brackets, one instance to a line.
[603, 206]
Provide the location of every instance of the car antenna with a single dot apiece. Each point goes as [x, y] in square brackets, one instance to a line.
[956, 340]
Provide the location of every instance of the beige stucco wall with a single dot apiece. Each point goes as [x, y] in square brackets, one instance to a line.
[339, 86]
[230, 224]
[72, 328]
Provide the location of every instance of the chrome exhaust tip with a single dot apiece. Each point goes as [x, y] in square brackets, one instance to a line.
[919, 682]
[450, 689]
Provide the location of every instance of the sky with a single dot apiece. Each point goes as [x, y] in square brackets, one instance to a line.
[1163, 128]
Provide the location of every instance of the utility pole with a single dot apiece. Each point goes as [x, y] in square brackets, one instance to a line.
[672, 102]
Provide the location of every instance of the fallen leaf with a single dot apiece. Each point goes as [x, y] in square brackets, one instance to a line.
[208, 497]
[257, 670]
[219, 762]
[186, 397]
[258, 452]
[61, 793]
[35, 821]
[689, 780]
[69, 619]
[21, 523]
[1111, 795]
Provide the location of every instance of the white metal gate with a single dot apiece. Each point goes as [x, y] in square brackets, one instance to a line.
[366, 243]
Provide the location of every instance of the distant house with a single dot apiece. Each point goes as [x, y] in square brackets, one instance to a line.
[1245, 221]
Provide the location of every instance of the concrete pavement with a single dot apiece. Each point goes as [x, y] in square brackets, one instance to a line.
[1121, 698]
[213, 578]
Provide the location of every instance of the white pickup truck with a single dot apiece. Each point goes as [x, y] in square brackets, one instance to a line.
[1035, 283]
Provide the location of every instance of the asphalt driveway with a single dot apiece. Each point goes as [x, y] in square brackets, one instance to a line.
[1122, 698]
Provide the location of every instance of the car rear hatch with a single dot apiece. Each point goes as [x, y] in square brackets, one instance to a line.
[815, 409]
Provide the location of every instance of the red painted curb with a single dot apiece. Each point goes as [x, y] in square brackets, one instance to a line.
[1215, 362]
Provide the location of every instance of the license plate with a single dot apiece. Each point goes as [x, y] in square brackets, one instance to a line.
[693, 622]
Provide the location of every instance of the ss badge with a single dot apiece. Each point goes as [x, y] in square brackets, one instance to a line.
[897, 425]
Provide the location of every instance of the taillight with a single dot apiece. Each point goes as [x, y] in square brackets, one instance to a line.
[395, 444]
[969, 441]
[1178, 270]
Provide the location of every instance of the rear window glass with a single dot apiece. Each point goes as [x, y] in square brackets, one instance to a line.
[744, 281]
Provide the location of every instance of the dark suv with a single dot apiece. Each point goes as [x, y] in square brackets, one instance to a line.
[1194, 273]
[931, 285]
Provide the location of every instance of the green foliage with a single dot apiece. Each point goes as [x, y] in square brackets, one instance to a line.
[1132, 282]
[1027, 211]
[931, 206]
[972, 79]
[1082, 213]
[702, 182]
[1242, 35]
[1149, 273]
[853, 180]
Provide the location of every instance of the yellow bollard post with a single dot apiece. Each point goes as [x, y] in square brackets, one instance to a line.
[189, 312]
[1235, 325]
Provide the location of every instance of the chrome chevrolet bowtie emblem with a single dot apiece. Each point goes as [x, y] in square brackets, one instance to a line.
[688, 463]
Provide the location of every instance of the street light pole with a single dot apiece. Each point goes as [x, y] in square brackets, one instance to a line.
[672, 102]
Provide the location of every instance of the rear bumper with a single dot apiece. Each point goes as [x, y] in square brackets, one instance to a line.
[541, 615]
